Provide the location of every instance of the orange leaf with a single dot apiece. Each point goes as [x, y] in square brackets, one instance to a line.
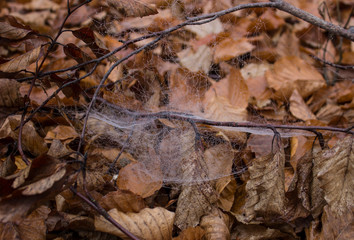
[139, 179]
[229, 48]
[292, 72]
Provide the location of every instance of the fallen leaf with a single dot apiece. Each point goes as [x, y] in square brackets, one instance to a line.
[187, 89]
[140, 179]
[337, 225]
[329, 112]
[31, 141]
[32, 227]
[123, 201]
[214, 27]
[21, 62]
[66, 134]
[291, 73]
[9, 95]
[149, 224]
[219, 108]
[216, 225]
[259, 232]
[44, 178]
[191, 233]
[230, 48]
[265, 194]
[11, 29]
[219, 160]
[298, 107]
[194, 202]
[195, 61]
[131, 8]
[336, 175]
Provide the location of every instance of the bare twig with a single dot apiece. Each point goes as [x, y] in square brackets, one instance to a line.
[103, 212]
[195, 119]
[349, 67]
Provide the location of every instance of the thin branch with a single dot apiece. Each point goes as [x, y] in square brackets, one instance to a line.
[196, 119]
[103, 213]
[349, 67]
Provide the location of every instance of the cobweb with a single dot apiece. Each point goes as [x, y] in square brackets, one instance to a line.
[182, 75]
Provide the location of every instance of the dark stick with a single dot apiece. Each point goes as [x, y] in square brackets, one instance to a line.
[103, 212]
[349, 67]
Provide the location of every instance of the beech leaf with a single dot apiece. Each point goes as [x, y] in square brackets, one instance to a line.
[336, 175]
[21, 62]
[132, 8]
[148, 224]
[265, 193]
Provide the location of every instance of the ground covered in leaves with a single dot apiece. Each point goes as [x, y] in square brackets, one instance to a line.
[176, 126]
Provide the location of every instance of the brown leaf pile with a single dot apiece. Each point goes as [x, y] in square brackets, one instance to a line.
[252, 65]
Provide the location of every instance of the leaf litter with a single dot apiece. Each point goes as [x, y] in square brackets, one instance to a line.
[162, 177]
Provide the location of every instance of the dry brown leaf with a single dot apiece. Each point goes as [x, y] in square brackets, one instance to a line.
[329, 112]
[186, 165]
[32, 227]
[140, 179]
[219, 160]
[336, 175]
[230, 48]
[316, 193]
[40, 181]
[298, 107]
[39, 95]
[194, 202]
[195, 61]
[268, 21]
[131, 8]
[226, 187]
[233, 88]
[298, 193]
[216, 225]
[300, 145]
[58, 150]
[219, 108]
[292, 72]
[123, 201]
[9, 95]
[260, 144]
[21, 62]
[11, 29]
[31, 141]
[214, 27]
[288, 45]
[187, 89]
[148, 224]
[227, 99]
[66, 134]
[265, 194]
[191, 233]
[259, 232]
[337, 226]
